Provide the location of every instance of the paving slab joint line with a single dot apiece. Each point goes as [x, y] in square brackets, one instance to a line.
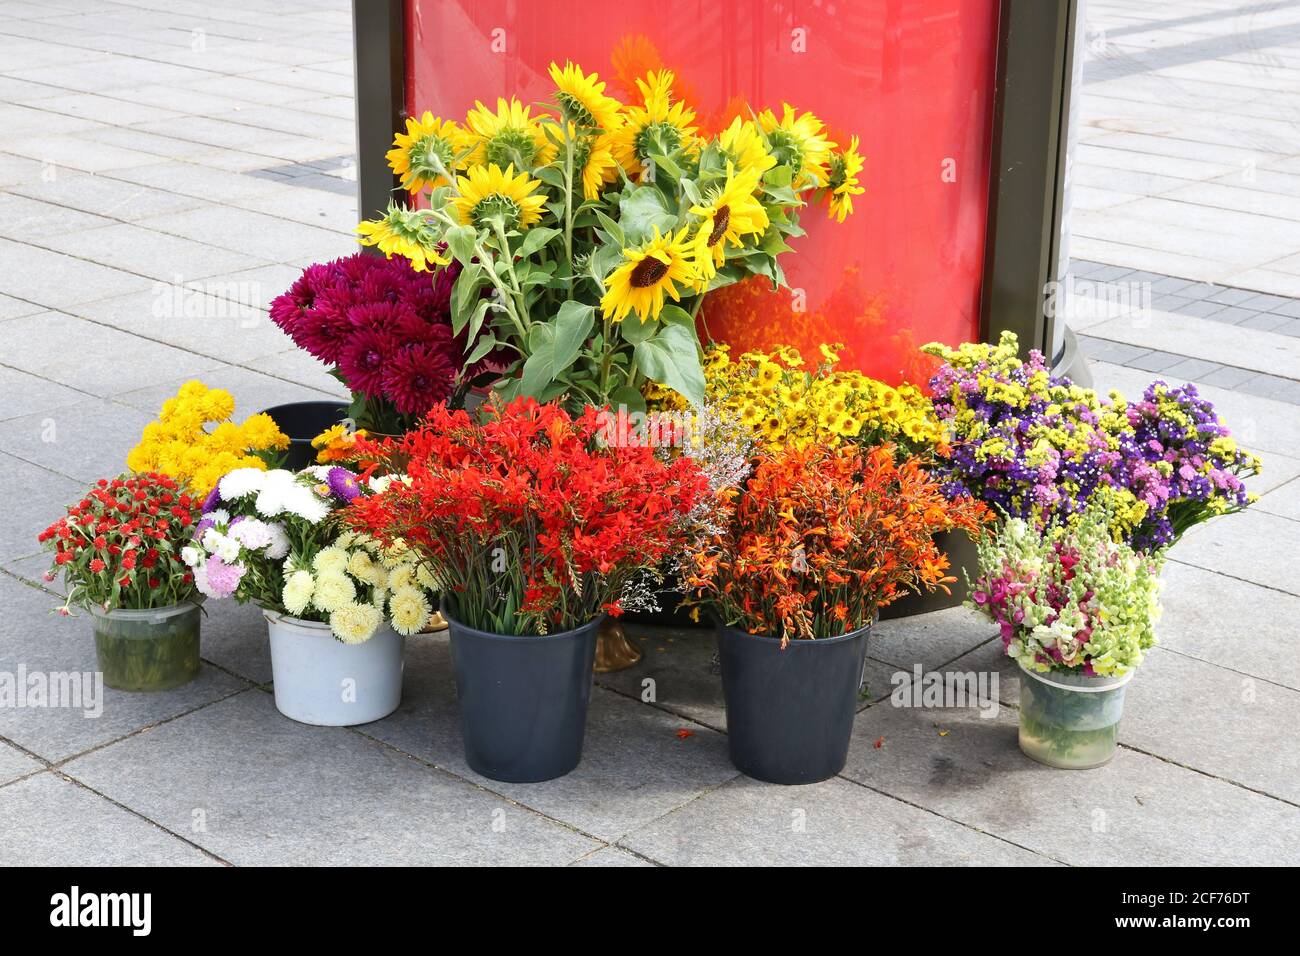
[122, 806]
[661, 707]
[1232, 670]
[1212, 776]
[961, 823]
[1224, 574]
[46, 378]
[55, 765]
[35, 586]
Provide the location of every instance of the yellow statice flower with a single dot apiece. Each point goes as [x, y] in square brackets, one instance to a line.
[179, 443]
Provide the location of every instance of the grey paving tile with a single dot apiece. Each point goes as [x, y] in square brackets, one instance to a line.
[1103, 350]
[1137, 810]
[68, 152]
[1233, 296]
[612, 856]
[276, 792]
[1263, 302]
[930, 640]
[48, 821]
[1169, 285]
[1283, 500]
[85, 441]
[235, 638]
[296, 365]
[32, 569]
[1109, 273]
[1155, 361]
[271, 239]
[26, 394]
[1191, 370]
[1201, 308]
[206, 317]
[253, 391]
[834, 823]
[1201, 290]
[197, 181]
[43, 494]
[1263, 321]
[103, 109]
[1214, 719]
[1237, 315]
[1227, 376]
[1232, 546]
[1170, 303]
[1290, 308]
[55, 280]
[53, 345]
[36, 639]
[146, 252]
[1242, 627]
[1271, 386]
[11, 308]
[634, 765]
[105, 196]
[14, 764]
[1291, 328]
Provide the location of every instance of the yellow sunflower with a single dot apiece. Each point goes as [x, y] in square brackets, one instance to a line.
[742, 143]
[842, 184]
[798, 142]
[487, 192]
[657, 126]
[730, 213]
[428, 144]
[658, 266]
[508, 137]
[582, 98]
[404, 232]
[593, 157]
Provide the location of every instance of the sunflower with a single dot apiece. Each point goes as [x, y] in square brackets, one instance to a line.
[659, 265]
[427, 146]
[657, 126]
[508, 137]
[404, 232]
[842, 184]
[743, 144]
[594, 157]
[730, 213]
[582, 99]
[487, 192]
[798, 142]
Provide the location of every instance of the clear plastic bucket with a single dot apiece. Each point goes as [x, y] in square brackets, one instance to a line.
[1070, 720]
[149, 650]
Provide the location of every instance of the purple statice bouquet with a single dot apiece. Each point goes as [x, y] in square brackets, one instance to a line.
[385, 330]
[1043, 449]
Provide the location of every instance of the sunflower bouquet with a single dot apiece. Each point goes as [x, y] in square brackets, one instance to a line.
[587, 233]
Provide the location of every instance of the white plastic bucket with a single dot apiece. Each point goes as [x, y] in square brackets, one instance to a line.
[320, 680]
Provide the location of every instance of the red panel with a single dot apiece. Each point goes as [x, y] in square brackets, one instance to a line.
[912, 78]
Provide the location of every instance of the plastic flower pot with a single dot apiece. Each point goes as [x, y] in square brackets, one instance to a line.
[303, 421]
[523, 699]
[1070, 720]
[790, 712]
[320, 680]
[962, 556]
[148, 650]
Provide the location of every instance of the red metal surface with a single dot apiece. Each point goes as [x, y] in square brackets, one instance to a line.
[912, 78]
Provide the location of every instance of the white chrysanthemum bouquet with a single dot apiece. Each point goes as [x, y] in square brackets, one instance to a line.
[270, 538]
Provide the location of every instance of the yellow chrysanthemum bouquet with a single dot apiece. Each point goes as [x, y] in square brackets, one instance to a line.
[784, 403]
[590, 231]
[179, 442]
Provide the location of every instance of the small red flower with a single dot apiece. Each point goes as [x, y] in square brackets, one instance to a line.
[96, 565]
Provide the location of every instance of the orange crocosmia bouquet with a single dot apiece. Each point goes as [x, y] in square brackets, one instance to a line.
[821, 538]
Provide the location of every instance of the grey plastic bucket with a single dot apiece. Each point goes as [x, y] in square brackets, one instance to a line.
[523, 699]
[790, 712]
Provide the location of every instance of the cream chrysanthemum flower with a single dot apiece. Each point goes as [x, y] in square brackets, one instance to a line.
[331, 560]
[333, 591]
[362, 567]
[401, 576]
[298, 588]
[409, 610]
[355, 623]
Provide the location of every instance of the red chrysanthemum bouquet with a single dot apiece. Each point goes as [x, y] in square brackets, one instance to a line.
[822, 538]
[119, 546]
[528, 523]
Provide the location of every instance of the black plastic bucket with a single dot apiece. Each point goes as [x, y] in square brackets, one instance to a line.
[523, 700]
[790, 712]
[303, 421]
[962, 556]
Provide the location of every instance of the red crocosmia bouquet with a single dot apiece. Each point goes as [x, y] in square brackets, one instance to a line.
[530, 525]
[386, 331]
[119, 546]
[821, 538]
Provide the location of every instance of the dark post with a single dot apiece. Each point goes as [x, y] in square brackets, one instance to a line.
[381, 97]
[1030, 138]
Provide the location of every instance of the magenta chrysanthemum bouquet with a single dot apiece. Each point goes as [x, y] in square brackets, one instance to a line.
[386, 331]
[1042, 448]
